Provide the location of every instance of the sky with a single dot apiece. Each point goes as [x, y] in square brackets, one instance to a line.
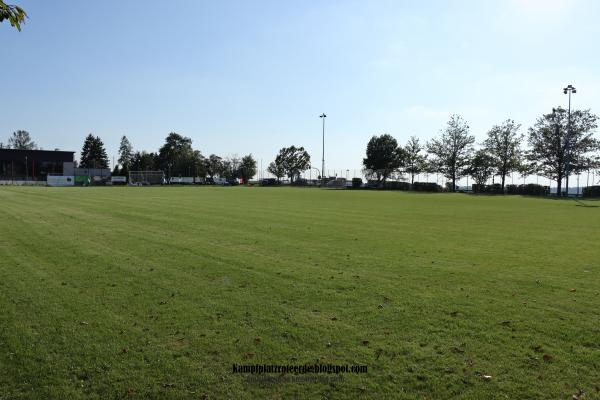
[241, 77]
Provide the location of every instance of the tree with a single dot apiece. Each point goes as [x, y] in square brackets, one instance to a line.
[213, 165]
[198, 165]
[293, 160]
[143, 161]
[554, 150]
[21, 140]
[247, 168]
[86, 150]
[453, 149]
[481, 167]
[176, 155]
[93, 153]
[504, 145]
[383, 157]
[125, 155]
[526, 169]
[414, 161]
[230, 167]
[276, 168]
[14, 14]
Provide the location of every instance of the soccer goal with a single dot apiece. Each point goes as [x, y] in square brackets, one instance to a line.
[140, 178]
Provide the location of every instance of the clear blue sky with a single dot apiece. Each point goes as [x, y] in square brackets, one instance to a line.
[253, 76]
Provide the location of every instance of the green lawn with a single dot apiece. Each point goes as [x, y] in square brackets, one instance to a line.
[156, 292]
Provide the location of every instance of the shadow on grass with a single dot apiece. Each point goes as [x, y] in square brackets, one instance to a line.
[582, 204]
[579, 201]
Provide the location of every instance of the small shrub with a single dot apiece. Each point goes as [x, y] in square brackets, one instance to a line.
[356, 183]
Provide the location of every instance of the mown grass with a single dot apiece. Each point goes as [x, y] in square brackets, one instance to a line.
[156, 292]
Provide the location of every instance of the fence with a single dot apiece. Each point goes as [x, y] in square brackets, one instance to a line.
[311, 177]
[576, 182]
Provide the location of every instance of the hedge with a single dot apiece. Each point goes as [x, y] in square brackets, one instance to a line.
[395, 185]
[591, 191]
[496, 188]
[426, 187]
[531, 189]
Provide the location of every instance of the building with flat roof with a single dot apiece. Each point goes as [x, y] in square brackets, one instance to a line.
[34, 165]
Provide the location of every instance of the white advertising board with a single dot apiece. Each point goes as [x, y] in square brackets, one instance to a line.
[118, 179]
[54, 180]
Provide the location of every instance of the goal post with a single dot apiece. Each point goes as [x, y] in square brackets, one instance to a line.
[140, 178]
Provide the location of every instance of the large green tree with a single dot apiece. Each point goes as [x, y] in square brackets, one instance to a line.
[383, 157]
[176, 156]
[481, 167]
[293, 160]
[276, 168]
[143, 161]
[213, 165]
[452, 149]
[125, 155]
[231, 167]
[554, 149]
[14, 14]
[93, 153]
[198, 164]
[21, 140]
[414, 162]
[526, 168]
[503, 144]
[247, 168]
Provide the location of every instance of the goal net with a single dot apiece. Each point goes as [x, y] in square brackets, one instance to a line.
[146, 178]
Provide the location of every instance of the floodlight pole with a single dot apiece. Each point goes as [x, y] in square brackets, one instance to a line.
[568, 90]
[323, 116]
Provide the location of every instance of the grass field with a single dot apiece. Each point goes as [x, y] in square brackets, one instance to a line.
[156, 292]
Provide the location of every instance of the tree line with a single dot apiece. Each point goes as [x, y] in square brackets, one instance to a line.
[559, 146]
[177, 157]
